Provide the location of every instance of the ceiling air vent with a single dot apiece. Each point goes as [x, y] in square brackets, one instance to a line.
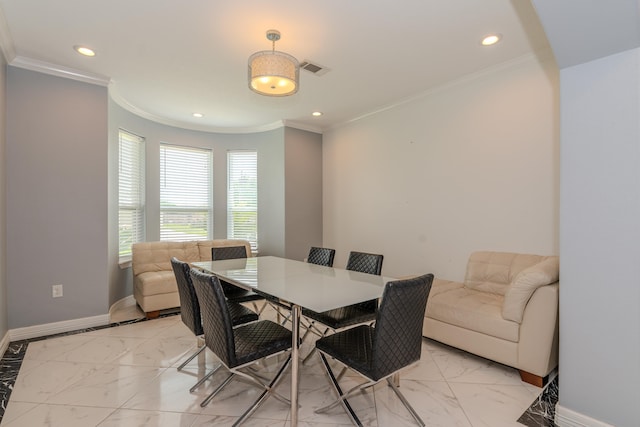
[314, 68]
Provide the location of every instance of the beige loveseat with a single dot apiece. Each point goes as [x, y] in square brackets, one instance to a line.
[154, 284]
[506, 310]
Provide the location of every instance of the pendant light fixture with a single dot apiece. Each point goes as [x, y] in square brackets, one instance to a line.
[273, 73]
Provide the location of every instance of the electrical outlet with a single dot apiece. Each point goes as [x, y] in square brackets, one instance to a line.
[56, 291]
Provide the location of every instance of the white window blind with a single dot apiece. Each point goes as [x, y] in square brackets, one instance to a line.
[131, 227]
[242, 196]
[186, 195]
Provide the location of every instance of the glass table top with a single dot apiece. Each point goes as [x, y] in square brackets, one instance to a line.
[315, 287]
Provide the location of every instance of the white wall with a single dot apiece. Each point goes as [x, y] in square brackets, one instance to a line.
[600, 231]
[471, 166]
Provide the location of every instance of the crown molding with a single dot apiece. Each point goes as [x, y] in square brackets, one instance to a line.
[124, 103]
[544, 55]
[301, 126]
[59, 71]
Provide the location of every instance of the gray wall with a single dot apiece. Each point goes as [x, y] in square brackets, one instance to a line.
[3, 223]
[56, 200]
[303, 194]
[599, 208]
[600, 214]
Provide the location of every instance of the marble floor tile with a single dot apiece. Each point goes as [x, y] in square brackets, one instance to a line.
[15, 410]
[134, 418]
[224, 421]
[493, 405]
[60, 416]
[163, 352]
[168, 392]
[55, 348]
[434, 402]
[127, 312]
[100, 350]
[459, 366]
[542, 411]
[109, 386]
[48, 378]
[124, 374]
[142, 329]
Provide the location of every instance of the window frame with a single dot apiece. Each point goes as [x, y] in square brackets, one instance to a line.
[251, 161]
[136, 183]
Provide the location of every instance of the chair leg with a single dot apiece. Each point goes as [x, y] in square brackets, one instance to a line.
[206, 401]
[203, 379]
[405, 402]
[198, 351]
[261, 309]
[268, 389]
[342, 400]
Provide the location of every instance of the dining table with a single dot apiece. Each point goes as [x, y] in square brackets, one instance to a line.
[297, 284]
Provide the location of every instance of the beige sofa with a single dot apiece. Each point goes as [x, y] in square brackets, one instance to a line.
[154, 284]
[506, 310]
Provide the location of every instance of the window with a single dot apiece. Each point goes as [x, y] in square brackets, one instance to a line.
[242, 196]
[186, 195]
[130, 192]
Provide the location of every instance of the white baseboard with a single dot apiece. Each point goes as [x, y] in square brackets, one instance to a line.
[57, 327]
[568, 418]
[122, 303]
[4, 343]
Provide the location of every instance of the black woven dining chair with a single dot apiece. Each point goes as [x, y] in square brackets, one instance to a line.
[190, 310]
[240, 347]
[232, 292]
[321, 256]
[351, 315]
[379, 352]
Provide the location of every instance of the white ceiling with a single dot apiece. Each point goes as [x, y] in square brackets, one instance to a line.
[165, 59]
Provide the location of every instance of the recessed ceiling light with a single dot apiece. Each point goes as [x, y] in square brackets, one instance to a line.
[491, 39]
[316, 113]
[198, 115]
[83, 50]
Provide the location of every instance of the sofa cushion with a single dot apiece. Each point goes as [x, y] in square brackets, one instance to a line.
[471, 309]
[494, 271]
[525, 283]
[156, 282]
[439, 286]
[156, 256]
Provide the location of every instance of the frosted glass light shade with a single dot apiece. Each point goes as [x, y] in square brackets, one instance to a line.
[273, 73]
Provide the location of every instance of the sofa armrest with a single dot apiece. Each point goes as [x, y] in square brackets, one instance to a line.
[525, 284]
[538, 344]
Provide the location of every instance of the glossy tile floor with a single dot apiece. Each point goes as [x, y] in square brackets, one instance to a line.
[127, 376]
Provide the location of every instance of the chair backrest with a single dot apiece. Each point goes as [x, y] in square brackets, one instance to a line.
[321, 256]
[228, 252]
[216, 320]
[397, 340]
[365, 263]
[189, 306]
